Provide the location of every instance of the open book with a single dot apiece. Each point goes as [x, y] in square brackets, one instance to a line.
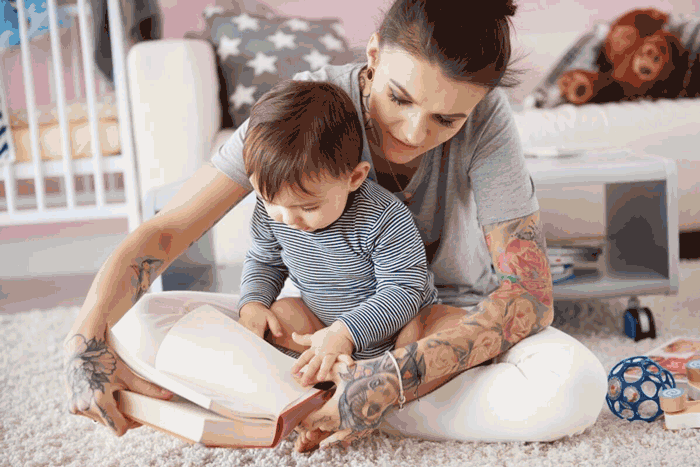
[233, 388]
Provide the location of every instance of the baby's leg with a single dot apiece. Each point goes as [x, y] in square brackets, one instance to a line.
[294, 316]
[409, 334]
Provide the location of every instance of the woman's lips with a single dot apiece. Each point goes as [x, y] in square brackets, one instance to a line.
[400, 143]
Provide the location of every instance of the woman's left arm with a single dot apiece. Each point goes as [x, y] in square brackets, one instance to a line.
[519, 307]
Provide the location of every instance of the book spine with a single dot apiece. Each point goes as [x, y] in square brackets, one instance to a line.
[291, 418]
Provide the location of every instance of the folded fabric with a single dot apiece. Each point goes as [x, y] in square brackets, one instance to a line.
[141, 21]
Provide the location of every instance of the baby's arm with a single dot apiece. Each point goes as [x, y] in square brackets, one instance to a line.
[263, 276]
[327, 346]
[404, 284]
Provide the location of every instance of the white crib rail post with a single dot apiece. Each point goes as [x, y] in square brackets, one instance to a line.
[31, 108]
[60, 91]
[77, 91]
[86, 34]
[131, 181]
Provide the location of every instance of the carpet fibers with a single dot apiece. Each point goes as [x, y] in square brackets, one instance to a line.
[35, 429]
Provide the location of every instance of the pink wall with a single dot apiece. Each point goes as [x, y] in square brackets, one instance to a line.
[181, 16]
[40, 52]
[360, 19]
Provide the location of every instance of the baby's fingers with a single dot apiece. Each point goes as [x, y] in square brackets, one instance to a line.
[302, 339]
[303, 359]
[311, 371]
[326, 365]
[274, 325]
[347, 359]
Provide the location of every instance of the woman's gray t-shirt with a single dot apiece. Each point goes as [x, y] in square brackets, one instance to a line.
[479, 177]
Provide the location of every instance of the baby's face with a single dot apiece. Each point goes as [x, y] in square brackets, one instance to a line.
[309, 212]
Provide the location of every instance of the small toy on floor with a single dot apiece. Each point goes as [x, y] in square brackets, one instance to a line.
[634, 385]
[692, 370]
[639, 322]
[679, 412]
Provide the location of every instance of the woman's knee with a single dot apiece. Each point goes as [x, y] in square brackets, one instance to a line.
[564, 381]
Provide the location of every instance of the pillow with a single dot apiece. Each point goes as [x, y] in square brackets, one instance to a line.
[687, 29]
[255, 52]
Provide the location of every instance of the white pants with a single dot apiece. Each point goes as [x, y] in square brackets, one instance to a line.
[544, 388]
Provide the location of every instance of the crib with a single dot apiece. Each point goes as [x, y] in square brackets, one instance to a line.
[68, 161]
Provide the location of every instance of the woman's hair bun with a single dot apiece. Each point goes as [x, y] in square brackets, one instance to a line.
[497, 9]
[502, 9]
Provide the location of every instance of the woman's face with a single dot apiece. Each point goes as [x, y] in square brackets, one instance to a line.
[414, 105]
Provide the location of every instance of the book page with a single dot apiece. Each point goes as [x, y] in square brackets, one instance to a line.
[674, 354]
[214, 351]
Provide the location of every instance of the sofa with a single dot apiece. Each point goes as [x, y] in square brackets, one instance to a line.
[174, 86]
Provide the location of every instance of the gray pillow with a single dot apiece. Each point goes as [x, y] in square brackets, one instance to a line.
[255, 52]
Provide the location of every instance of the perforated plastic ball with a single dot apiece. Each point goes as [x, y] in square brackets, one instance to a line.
[634, 385]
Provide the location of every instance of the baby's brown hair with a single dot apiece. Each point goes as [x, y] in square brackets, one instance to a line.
[301, 130]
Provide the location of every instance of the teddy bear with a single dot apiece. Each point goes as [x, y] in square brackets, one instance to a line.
[583, 86]
[638, 59]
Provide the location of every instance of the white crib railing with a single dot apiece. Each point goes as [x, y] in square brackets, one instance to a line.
[104, 201]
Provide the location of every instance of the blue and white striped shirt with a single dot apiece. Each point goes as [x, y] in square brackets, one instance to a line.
[368, 269]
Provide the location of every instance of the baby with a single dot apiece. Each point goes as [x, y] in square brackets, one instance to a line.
[349, 246]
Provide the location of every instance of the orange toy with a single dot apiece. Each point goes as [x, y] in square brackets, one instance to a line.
[679, 412]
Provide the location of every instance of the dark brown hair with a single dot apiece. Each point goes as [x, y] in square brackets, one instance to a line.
[469, 40]
[300, 131]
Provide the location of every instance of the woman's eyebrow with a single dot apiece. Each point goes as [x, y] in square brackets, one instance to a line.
[405, 93]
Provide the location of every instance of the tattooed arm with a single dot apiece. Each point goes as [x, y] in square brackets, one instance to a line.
[93, 371]
[519, 307]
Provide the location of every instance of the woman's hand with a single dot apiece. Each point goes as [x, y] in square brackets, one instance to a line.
[365, 390]
[258, 318]
[327, 346]
[93, 373]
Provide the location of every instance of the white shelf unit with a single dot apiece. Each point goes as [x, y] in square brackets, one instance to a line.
[640, 252]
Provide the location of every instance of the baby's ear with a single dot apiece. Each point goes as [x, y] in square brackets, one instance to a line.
[358, 175]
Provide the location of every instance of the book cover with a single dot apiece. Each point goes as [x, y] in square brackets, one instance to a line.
[675, 353]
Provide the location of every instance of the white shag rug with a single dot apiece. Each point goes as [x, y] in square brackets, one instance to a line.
[36, 430]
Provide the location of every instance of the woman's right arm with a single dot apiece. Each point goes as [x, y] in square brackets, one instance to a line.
[93, 371]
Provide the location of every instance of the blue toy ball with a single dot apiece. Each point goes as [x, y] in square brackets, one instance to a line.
[634, 385]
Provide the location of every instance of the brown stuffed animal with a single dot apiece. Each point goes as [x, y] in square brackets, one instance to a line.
[582, 86]
[627, 33]
[637, 59]
[691, 83]
[651, 66]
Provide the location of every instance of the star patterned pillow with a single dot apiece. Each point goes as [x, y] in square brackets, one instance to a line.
[255, 52]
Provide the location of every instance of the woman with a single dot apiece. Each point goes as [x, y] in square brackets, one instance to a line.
[439, 134]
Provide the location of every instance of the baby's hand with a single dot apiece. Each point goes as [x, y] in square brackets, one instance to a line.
[326, 347]
[258, 318]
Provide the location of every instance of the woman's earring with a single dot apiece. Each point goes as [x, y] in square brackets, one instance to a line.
[370, 73]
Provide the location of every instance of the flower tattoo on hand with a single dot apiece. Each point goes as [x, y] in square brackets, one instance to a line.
[87, 370]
